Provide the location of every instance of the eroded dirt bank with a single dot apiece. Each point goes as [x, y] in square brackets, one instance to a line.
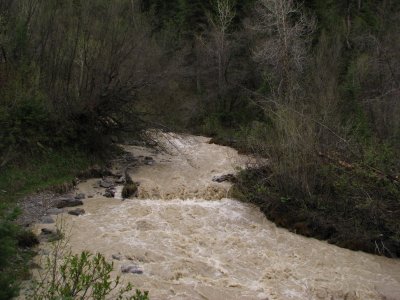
[192, 242]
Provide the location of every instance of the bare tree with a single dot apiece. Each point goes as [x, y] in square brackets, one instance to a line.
[284, 32]
[217, 41]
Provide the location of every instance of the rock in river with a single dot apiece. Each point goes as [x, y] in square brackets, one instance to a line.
[106, 183]
[226, 177]
[134, 269]
[110, 193]
[80, 196]
[68, 202]
[77, 212]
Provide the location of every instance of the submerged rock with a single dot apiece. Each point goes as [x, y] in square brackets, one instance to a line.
[116, 256]
[133, 269]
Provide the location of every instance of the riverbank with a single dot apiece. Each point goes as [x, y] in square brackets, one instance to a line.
[32, 181]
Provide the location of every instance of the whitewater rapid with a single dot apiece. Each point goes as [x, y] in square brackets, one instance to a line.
[193, 242]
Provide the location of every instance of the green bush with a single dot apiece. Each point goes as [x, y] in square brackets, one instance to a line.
[81, 276]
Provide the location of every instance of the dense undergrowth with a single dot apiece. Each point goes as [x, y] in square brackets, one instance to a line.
[355, 209]
[350, 200]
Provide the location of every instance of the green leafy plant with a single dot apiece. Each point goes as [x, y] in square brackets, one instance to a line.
[85, 275]
[82, 276]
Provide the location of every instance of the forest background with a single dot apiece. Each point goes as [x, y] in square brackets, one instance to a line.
[312, 87]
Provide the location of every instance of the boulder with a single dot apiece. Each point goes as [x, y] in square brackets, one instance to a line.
[106, 183]
[54, 211]
[80, 196]
[120, 180]
[134, 269]
[116, 256]
[110, 193]
[68, 202]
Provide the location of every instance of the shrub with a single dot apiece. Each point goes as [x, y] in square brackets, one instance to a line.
[81, 276]
[129, 190]
[64, 275]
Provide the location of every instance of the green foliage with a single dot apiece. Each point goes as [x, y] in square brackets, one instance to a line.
[82, 276]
